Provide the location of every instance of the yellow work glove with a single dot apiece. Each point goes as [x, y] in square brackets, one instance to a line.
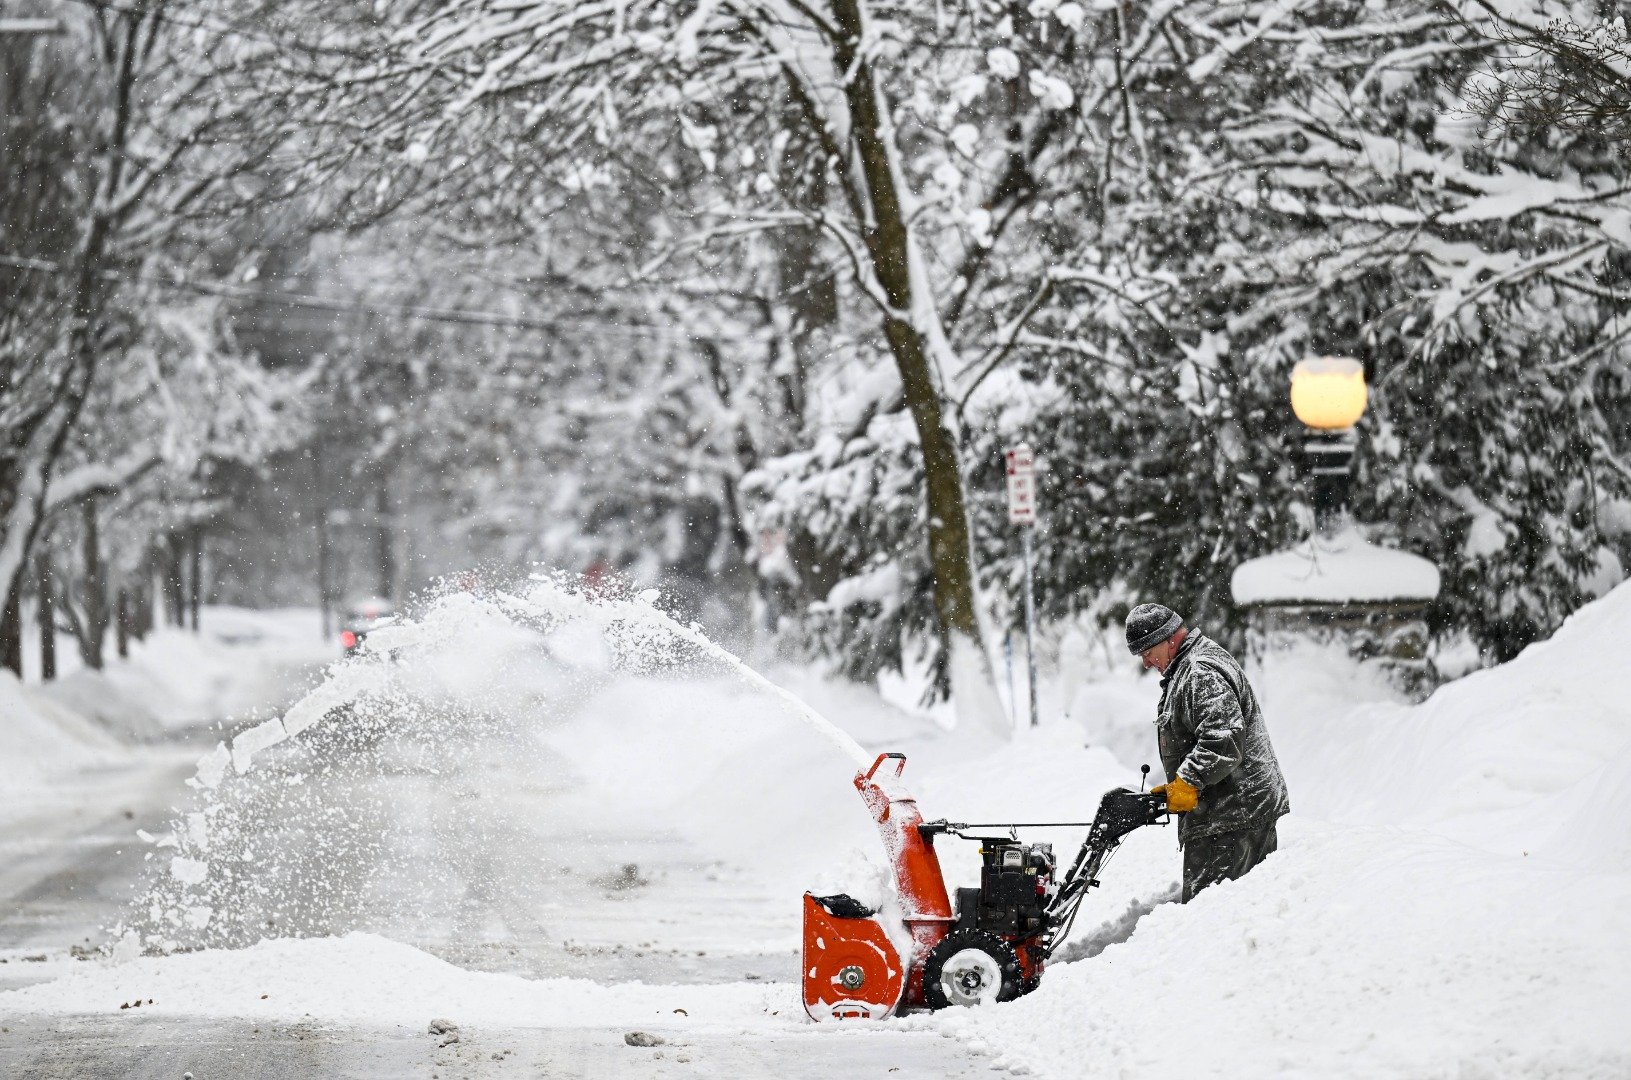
[1182, 796]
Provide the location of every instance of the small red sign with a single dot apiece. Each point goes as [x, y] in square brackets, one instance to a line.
[1021, 486]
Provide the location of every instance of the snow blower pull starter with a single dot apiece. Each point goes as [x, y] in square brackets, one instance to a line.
[991, 948]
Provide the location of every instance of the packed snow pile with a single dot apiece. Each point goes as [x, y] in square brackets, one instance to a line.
[41, 740]
[1518, 759]
[238, 663]
[1451, 897]
[1344, 568]
[66, 745]
[1352, 952]
[90, 738]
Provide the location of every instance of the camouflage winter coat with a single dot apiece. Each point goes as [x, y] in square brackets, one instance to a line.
[1212, 735]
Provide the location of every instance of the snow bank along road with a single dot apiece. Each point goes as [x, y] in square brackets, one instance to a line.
[1452, 896]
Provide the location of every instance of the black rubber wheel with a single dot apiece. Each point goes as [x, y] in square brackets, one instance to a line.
[970, 967]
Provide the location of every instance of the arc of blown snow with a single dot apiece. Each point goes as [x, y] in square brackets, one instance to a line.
[344, 687]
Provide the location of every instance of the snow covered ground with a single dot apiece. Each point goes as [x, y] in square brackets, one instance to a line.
[1451, 897]
[554, 851]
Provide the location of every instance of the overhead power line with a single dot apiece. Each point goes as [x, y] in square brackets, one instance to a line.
[428, 313]
[31, 26]
[218, 26]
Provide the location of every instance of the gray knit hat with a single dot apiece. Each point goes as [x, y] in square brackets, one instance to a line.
[1148, 625]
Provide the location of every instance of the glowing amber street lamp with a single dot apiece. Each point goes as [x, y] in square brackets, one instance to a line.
[1328, 394]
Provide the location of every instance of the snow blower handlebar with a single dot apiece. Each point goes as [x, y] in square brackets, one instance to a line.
[1121, 811]
[956, 828]
[894, 755]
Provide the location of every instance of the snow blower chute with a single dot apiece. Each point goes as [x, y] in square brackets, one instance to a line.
[991, 947]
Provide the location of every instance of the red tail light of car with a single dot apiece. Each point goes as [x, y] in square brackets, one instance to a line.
[348, 639]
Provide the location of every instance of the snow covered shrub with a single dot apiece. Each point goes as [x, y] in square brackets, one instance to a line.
[1307, 193]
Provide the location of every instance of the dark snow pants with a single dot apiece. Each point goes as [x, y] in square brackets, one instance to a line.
[1224, 856]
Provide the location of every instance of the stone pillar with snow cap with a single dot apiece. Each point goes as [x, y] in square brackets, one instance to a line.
[1340, 587]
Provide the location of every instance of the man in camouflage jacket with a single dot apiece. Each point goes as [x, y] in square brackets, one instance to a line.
[1222, 776]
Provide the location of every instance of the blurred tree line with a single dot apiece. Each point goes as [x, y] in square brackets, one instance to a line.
[307, 301]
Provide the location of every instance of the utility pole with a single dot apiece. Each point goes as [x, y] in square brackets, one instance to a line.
[1022, 514]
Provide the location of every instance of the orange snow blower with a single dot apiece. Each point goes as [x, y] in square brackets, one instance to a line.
[862, 964]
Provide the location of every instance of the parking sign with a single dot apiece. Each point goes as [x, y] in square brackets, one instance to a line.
[1021, 486]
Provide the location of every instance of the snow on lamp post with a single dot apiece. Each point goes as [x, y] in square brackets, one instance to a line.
[1329, 395]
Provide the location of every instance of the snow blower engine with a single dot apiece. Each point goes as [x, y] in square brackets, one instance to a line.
[859, 964]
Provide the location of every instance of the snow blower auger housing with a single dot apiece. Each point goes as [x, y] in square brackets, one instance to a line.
[860, 964]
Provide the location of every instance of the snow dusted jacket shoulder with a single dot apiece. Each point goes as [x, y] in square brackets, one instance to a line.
[1212, 735]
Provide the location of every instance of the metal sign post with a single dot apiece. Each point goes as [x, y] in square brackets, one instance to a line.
[1022, 513]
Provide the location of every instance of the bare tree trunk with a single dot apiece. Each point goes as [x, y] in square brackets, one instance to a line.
[173, 585]
[95, 626]
[90, 295]
[11, 630]
[889, 247]
[195, 574]
[103, 161]
[143, 622]
[911, 328]
[385, 536]
[46, 617]
[121, 624]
